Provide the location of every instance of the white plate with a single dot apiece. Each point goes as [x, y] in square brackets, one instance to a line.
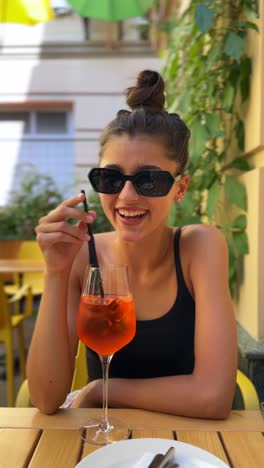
[127, 453]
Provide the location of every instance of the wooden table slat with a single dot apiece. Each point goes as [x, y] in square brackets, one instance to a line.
[146, 433]
[89, 448]
[245, 449]
[17, 446]
[59, 448]
[205, 440]
[137, 419]
[34, 440]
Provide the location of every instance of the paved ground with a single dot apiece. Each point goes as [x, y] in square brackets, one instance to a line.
[28, 329]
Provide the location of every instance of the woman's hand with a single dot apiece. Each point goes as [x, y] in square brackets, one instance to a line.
[60, 241]
[89, 396]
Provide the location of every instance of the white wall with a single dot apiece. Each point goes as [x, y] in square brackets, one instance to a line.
[70, 76]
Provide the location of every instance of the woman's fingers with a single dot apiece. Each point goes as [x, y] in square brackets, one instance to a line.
[64, 212]
[54, 228]
[50, 238]
[76, 231]
[67, 209]
[73, 201]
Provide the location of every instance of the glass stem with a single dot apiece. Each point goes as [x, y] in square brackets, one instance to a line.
[105, 361]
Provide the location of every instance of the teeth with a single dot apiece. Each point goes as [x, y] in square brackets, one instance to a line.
[131, 213]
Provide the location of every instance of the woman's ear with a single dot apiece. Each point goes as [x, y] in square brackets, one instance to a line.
[182, 187]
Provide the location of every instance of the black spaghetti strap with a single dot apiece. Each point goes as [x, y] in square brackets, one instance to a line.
[180, 277]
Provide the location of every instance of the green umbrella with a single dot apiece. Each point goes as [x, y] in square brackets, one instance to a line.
[110, 10]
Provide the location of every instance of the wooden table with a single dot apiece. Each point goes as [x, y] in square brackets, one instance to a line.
[15, 266]
[31, 439]
[21, 266]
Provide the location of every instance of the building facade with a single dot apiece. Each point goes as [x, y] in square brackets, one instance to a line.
[57, 92]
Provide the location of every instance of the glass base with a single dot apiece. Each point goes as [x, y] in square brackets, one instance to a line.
[96, 432]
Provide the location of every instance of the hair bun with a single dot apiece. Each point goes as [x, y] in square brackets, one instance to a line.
[148, 92]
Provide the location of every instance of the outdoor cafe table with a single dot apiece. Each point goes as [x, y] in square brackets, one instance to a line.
[31, 439]
[21, 266]
[12, 266]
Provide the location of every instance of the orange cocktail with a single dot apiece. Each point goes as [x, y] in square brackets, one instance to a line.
[106, 324]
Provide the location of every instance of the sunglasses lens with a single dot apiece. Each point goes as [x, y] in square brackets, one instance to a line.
[106, 180]
[153, 183]
[147, 183]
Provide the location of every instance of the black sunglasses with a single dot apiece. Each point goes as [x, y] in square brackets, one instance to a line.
[147, 183]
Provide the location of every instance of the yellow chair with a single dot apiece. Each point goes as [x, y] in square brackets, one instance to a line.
[80, 378]
[80, 375]
[8, 322]
[248, 392]
[28, 250]
[23, 397]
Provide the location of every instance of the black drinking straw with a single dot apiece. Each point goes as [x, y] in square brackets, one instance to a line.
[91, 246]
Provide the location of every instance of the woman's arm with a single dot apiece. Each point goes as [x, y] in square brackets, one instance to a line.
[209, 391]
[53, 346]
[49, 364]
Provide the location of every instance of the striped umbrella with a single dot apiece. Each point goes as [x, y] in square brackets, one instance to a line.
[28, 12]
[111, 10]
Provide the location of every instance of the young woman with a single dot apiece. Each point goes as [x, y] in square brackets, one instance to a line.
[183, 359]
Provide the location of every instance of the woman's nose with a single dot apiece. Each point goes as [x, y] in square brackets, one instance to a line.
[128, 192]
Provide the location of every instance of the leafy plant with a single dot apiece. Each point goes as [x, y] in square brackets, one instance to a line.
[207, 74]
[36, 196]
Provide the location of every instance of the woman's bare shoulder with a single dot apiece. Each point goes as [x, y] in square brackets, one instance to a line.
[201, 232]
[202, 238]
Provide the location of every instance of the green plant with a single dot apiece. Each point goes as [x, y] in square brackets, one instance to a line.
[207, 75]
[36, 196]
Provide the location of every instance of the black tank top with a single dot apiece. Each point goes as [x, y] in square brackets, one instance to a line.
[161, 347]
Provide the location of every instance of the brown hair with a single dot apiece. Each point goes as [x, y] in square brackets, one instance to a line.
[148, 117]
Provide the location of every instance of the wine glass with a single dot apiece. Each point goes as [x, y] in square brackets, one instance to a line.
[106, 322]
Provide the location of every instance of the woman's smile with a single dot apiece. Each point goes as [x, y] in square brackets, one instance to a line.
[131, 216]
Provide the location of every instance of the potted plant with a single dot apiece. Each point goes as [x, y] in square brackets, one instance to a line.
[37, 194]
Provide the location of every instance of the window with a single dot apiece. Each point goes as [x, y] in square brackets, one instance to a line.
[34, 123]
[51, 122]
[14, 121]
[42, 137]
